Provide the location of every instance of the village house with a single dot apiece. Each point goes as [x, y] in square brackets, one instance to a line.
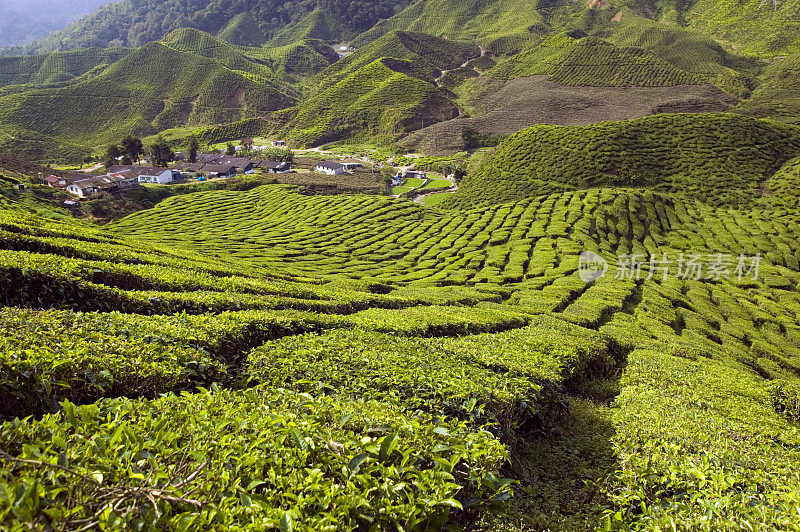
[190, 168]
[415, 174]
[55, 181]
[241, 163]
[278, 143]
[144, 174]
[352, 165]
[274, 167]
[84, 188]
[209, 158]
[330, 168]
[218, 170]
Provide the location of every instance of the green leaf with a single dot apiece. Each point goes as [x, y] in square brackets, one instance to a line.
[287, 524]
[452, 503]
[356, 462]
[388, 445]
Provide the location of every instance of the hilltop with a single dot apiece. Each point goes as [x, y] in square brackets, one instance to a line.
[491, 68]
[720, 159]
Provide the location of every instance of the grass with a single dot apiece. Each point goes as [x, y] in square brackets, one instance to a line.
[435, 199]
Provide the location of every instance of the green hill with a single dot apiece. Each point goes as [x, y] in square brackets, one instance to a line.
[321, 23]
[135, 23]
[383, 98]
[686, 49]
[190, 79]
[243, 30]
[749, 26]
[777, 96]
[57, 67]
[500, 25]
[719, 158]
[594, 62]
[430, 55]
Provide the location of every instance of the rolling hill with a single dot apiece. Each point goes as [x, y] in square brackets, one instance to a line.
[189, 79]
[135, 23]
[719, 158]
[307, 311]
[386, 97]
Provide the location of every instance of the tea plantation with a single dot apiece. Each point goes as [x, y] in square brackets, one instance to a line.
[265, 359]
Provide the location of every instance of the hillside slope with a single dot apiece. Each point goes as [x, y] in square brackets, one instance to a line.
[719, 158]
[386, 97]
[191, 78]
[135, 23]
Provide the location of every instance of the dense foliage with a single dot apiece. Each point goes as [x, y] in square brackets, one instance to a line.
[378, 362]
[722, 159]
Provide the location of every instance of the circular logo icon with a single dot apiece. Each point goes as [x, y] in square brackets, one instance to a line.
[591, 266]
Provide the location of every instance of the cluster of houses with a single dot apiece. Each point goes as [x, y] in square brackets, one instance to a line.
[119, 177]
[208, 165]
[215, 165]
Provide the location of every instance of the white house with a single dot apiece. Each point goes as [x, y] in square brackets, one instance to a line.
[161, 176]
[83, 188]
[278, 143]
[352, 165]
[330, 168]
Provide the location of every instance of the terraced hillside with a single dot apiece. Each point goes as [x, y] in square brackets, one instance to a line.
[723, 159]
[191, 78]
[313, 308]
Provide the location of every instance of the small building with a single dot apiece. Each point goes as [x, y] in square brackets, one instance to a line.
[84, 188]
[330, 168]
[219, 170]
[352, 165]
[55, 181]
[209, 158]
[241, 163]
[415, 174]
[278, 143]
[145, 174]
[124, 181]
[191, 168]
[274, 167]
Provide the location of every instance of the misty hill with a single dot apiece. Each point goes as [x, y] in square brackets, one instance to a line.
[24, 21]
[246, 22]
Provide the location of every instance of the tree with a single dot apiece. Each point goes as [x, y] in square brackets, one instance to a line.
[161, 152]
[247, 144]
[133, 148]
[231, 149]
[193, 148]
[113, 152]
[279, 154]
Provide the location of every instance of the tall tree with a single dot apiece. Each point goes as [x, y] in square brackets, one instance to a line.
[193, 148]
[133, 148]
[231, 149]
[161, 153]
[113, 152]
[247, 144]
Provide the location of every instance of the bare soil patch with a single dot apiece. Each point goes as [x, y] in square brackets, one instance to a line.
[504, 107]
